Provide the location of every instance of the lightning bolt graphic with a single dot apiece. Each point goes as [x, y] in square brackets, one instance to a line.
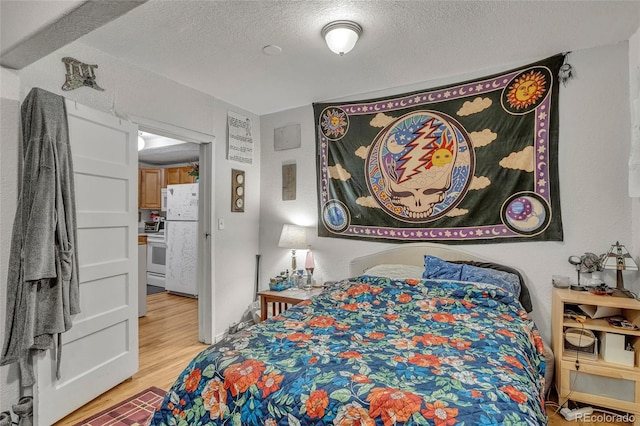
[415, 158]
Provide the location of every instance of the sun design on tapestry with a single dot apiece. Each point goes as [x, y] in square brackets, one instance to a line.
[526, 90]
[419, 166]
[334, 123]
[441, 154]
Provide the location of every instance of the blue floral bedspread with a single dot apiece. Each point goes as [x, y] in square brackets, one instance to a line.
[373, 351]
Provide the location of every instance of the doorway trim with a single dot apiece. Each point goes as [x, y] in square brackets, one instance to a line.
[206, 141]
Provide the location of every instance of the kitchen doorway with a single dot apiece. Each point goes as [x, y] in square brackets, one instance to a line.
[168, 200]
[185, 158]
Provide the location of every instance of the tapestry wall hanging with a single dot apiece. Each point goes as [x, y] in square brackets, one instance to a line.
[473, 162]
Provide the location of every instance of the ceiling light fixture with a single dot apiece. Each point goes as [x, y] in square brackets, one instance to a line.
[272, 50]
[141, 142]
[341, 36]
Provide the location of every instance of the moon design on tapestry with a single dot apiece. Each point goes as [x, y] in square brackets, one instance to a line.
[526, 90]
[334, 123]
[335, 216]
[393, 146]
[419, 166]
[526, 213]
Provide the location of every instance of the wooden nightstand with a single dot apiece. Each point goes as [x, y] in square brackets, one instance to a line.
[282, 300]
[592, 380]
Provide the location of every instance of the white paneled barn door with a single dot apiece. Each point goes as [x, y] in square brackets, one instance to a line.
[101, 349]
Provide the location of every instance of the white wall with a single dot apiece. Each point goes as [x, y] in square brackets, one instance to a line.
[9, 133]
[237, 243]
[593, 152]
[634, 94]
[136, 92]
[127, 89]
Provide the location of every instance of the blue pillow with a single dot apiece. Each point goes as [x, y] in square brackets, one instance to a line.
[505, 280]
[436, 268]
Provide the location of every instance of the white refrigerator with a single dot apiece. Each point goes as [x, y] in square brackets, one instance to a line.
[181, 236]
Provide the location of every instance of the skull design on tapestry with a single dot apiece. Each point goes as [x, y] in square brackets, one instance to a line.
[414, 161]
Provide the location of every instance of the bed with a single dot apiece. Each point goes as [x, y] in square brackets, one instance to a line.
[409, 339]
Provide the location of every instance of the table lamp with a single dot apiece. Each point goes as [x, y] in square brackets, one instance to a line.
[618, 258]
[309, 265]
[295, 238]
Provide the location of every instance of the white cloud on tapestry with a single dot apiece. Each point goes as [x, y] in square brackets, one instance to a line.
[522, 160]
[457, 212]
[362, 152]
[368, 202]
[483, 138]
[339, 172]
[474, 107]
[381, 120]
[479, 182]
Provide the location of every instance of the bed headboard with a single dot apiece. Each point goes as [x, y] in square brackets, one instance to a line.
[411, 254]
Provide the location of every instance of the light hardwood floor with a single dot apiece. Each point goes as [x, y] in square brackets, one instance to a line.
[168, 341]
[168, 337]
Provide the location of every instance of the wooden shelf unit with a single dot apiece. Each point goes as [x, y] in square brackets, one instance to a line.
[594, 381]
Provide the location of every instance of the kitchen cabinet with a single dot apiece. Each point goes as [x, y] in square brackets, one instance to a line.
[178, 175]
[150, 182]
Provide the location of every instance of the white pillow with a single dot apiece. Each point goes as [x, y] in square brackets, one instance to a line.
[396, 271]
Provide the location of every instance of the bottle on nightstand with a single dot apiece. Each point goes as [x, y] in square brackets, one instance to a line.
[299, 278]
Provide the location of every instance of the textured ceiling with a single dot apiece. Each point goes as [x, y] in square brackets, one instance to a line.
[33, 29]
[216, 46]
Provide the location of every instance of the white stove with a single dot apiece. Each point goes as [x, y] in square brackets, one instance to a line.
[156, 237]
[156, 258]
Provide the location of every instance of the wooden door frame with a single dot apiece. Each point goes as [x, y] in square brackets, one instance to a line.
[206, 314]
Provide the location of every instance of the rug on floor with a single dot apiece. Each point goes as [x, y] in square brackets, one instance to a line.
[153, 289]
[133, 411]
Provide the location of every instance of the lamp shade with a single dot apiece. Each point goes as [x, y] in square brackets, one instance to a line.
[309, 262]
[141, 143]
[293, 237]
[619, 258]
[341, 36]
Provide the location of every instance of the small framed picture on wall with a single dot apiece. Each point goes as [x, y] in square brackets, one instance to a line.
[237, 190]
[288, 182]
